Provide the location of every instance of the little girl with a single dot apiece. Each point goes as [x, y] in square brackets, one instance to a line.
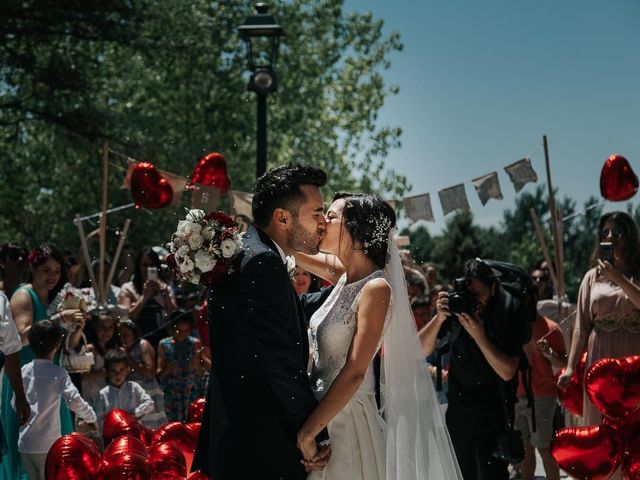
[101, 337]
[180, 367]
[142, 362]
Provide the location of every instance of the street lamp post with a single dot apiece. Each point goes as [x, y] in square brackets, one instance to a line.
[262, 35]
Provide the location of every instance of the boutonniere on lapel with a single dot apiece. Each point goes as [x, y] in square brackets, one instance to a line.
[291, 265]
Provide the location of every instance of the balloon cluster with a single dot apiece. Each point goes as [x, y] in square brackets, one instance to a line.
[572, 396]
[597, 451]
[150, 189]
[133, 452]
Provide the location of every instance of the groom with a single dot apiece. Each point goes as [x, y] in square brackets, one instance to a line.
[259, 393]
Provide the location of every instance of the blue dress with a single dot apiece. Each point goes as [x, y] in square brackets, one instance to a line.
[11, 466]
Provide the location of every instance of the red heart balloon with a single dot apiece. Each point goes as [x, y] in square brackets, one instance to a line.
[72, 457]
[631, 462]
[167, 462]
[618, 181]
[149, 188]
[125, 459]
[613, 385]
[194, 431]
[212, 170]
[196, 409]
[589, 453]
[627, 427]
[180, 436]
[572, 396]
[118, 422]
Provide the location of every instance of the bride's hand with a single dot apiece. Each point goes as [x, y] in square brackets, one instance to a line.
[307, 446]
[320, 461]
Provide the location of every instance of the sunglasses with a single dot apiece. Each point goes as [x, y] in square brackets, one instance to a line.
[616, 232]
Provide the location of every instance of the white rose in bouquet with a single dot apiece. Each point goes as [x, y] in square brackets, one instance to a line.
[208, 233]
[182, 252]
[228, 247]
[187, 265]
[195, 241]
[204, 261]
[194, 278]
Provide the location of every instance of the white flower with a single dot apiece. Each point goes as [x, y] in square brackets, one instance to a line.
[204, 262]
[187, 265]
[208, 233]
[291, 265]
[195, 241]
[182, 252]
[194, 278]
[228, 247]
[195, 215]
[186, 228]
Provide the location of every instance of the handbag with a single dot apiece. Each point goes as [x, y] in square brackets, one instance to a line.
[76, 362]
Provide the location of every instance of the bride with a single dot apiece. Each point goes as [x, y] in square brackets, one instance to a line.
[368, 312]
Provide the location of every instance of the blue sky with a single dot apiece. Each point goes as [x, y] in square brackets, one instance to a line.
[482, 80]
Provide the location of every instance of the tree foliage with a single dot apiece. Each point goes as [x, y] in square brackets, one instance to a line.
[166, 82]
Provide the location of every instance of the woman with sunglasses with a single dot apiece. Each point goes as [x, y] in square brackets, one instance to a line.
[608, 315]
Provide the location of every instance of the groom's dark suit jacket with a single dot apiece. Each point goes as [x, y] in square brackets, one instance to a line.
[259, 393]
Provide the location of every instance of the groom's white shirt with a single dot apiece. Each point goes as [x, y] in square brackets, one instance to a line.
[280, 251]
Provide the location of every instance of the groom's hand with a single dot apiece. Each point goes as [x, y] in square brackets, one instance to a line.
[320, 460]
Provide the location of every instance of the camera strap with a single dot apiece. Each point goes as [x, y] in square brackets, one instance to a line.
[508, 421]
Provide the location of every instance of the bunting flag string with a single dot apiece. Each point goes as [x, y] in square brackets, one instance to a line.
[418, 207]
[453, 198]
[488, 187]
[521, 173]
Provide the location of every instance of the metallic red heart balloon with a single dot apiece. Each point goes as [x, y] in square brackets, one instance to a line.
[212, 170]
[588, 453]
[572, 396]
[196, 409]
[125, 459]
[631, 463]
[613, 385]
[179, 435]
[149, 188]
[118, 422]
[72, 457]
[618, 181]
[167, 462]
[194, 430]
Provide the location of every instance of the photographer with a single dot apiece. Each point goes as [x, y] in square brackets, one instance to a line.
[481, 319]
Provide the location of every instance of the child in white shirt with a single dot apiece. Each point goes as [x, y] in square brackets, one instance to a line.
[120, 393]
[45, 384]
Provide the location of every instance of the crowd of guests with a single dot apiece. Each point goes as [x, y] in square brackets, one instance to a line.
[149, 358]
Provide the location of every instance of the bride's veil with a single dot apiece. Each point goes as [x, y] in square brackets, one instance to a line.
[418, 443]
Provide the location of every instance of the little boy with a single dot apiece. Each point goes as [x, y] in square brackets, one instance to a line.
[45, 384]
[120, 393]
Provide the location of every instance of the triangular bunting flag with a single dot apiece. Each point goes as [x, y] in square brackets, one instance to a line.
[488, 187]
[453, 198]
[418, 207]
[521, 173]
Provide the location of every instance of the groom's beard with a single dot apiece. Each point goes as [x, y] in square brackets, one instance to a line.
[303, 241]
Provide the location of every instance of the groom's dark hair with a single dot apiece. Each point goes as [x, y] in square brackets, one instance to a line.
[280, 188]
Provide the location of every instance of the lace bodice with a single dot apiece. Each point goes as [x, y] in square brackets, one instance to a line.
[331, 330]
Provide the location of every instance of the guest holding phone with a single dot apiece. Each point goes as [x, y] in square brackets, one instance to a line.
[149, 300]
[608, 315]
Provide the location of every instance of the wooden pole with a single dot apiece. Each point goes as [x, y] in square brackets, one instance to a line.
[562, 287]
[103, 221]
[554, 217]
[545, 250]
[85, 254]
[116, 257]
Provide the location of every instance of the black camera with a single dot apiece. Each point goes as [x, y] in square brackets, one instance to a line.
[461, 300]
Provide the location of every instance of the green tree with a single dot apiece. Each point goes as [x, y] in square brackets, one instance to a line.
[165, 82]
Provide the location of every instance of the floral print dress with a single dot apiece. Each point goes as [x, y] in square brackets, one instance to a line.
[184, 386]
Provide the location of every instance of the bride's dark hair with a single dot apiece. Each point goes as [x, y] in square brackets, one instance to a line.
[368, 219]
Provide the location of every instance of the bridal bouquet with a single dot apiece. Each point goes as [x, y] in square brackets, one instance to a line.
[204, 246]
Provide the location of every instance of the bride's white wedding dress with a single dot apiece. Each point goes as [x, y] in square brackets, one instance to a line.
[409, 441]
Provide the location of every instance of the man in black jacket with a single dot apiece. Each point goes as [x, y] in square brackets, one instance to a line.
[485, 349]
[259, 393]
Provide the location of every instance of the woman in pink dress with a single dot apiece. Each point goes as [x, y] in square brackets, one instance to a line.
[608, 315]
